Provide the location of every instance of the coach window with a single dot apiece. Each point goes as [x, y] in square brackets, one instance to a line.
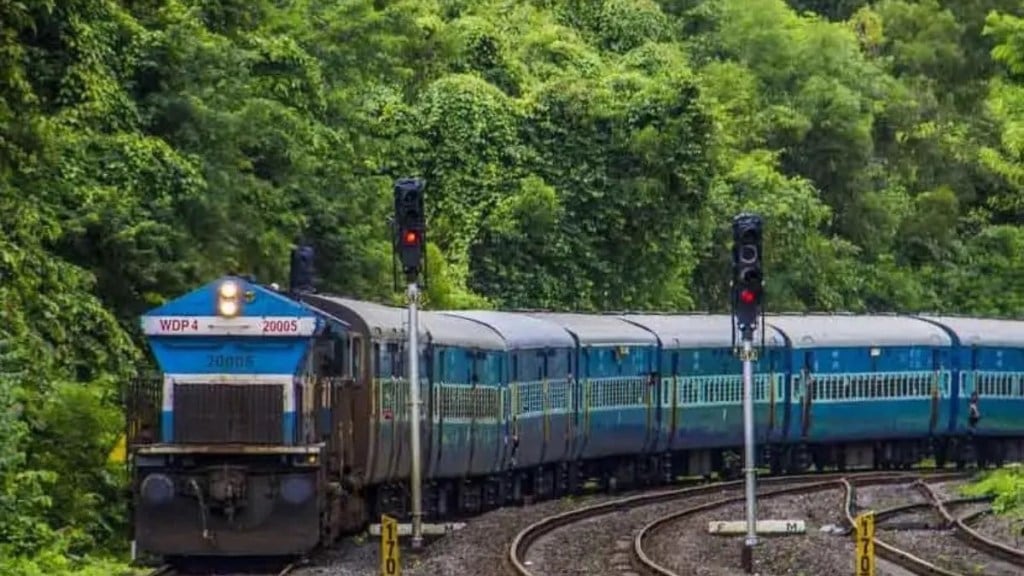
[728, 361]
[394, 360]
[427, 361]
[357, 357]
[339, 356]
[378, 367]
[474, 358]
[440, 374]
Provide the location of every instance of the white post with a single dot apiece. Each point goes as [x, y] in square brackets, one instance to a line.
[414, 416]
[748, 440]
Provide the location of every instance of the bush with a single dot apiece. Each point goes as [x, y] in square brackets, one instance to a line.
[1006, 484]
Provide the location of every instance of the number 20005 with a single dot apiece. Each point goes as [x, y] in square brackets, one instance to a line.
[280, 326]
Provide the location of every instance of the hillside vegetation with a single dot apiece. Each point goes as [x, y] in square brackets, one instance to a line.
[580, 154]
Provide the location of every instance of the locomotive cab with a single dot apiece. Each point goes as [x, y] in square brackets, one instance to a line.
[237, 462]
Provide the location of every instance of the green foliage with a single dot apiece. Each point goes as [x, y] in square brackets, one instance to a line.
[1006, 485]
[579, 154]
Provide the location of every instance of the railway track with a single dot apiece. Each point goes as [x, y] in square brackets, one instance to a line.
[969, 535]
[651, 566]
[892, 553]
[521, 544]
[896, 555]
[170, 570]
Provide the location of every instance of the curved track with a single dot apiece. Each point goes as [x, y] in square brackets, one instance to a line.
[968, 534]
[652, 567]
[515, 559]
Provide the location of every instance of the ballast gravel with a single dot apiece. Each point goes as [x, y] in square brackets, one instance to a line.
[603, 546]
[476, 549]
[686, 547]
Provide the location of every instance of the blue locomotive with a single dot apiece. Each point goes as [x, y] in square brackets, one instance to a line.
[281, 420]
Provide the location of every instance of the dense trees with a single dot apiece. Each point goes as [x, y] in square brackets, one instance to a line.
[581, 154]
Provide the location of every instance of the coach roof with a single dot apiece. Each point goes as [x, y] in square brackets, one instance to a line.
[519, 330]
[391, 322]
[600, 330]
[696, 330]
[380, 320]
[816, 331]
[983, 331]
[449, 330]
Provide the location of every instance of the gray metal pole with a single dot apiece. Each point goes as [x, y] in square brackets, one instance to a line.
[414, 417]
[748, 440]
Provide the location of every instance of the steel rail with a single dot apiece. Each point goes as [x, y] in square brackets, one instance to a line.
[515, 557]
[649, 565]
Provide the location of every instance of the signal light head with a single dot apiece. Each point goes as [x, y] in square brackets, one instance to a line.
[410, 238]
[748, 254]
[747, 296]
[750, 275]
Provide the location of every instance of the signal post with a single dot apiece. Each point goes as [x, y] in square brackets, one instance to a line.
[747, 296]
[410, 244]
[747, 300]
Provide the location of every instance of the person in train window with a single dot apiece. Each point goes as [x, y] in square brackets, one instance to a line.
[973, 412]
[515, 442]
[477, 408]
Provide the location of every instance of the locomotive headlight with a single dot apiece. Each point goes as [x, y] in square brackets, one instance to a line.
[228, 298]
[228, 290]
[227, 307]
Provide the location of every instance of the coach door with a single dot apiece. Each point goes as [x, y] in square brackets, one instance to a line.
[354, 408]
[806, 389]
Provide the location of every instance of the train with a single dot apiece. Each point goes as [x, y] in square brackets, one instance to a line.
[280, 419]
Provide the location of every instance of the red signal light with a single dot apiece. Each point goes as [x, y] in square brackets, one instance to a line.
[747, 296]
[411, 238]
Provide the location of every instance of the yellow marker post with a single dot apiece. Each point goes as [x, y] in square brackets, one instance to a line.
[119, 452]
[865, 545]
[390, 561]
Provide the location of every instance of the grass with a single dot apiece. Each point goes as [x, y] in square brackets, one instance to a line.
[1006, 484]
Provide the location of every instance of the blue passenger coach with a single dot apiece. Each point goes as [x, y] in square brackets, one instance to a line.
[702, 387]
[538, 407]
[868, 389]
[615, 403]
[377, 404]
[988, 359]
[461, 374]
[467, 380]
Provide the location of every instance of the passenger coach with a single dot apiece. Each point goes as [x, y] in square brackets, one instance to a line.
[701, 390]
[868, 389]
[988, 359]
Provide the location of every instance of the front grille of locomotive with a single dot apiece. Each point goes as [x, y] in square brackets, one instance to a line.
[228, 414]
